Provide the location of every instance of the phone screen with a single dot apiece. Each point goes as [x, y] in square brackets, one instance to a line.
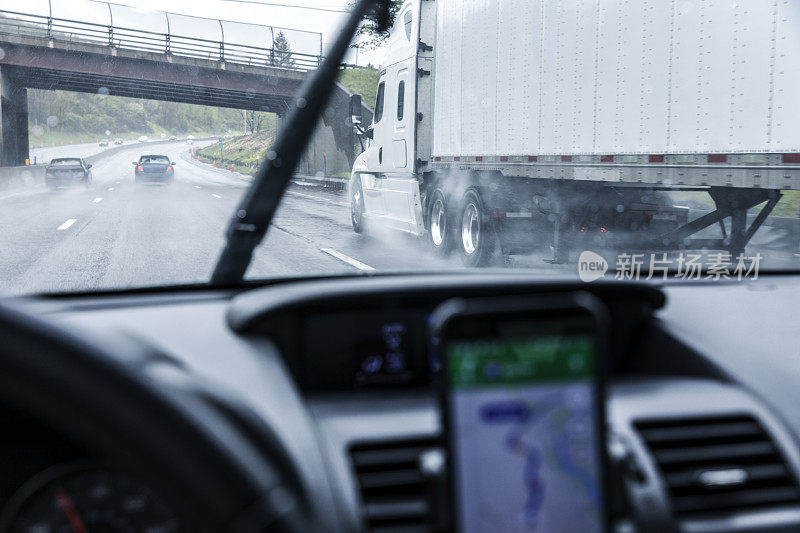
[524, 425]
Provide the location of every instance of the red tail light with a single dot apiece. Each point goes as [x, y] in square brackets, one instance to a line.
[169, 168]
[139, 168]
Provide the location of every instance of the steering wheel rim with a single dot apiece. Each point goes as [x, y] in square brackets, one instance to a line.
[106, 395]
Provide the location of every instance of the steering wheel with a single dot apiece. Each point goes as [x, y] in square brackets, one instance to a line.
[120, 398]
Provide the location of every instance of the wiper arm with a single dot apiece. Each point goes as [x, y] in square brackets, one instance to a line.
[257, 208]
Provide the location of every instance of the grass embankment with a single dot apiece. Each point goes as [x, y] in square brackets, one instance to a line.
[243, 153]
[363, 81]
[788, 206]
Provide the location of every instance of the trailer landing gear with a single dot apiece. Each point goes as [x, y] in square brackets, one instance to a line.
[729, 202]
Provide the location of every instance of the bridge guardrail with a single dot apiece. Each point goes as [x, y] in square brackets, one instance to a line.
[168, 43]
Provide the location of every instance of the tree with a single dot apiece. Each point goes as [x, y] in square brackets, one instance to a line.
[282, 52]
[254, 120]
[368, 36]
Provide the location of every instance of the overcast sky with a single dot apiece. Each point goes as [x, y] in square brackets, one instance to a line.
[326, 19]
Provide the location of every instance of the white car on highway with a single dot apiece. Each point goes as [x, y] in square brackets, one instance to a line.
[143, 139]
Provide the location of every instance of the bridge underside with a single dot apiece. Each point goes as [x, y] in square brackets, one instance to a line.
[36, 78]
[105, 70]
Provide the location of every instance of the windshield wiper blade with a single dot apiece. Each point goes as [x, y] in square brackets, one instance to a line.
[254, 213]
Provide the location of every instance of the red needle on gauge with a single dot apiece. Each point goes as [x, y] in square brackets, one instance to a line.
[66, 505]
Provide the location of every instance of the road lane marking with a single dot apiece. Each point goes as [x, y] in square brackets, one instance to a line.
[216, 195]
[347, 259]
[197, 187]
[97, 200]
[10, 195]
[67, 224]
[111, 188]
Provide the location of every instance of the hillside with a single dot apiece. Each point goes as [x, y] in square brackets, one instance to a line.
[63, 116]
[363, 81]
[243, 153]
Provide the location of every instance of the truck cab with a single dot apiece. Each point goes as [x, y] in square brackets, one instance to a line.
[384, 186]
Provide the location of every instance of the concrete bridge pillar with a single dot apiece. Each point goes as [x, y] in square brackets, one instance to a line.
[13, 119]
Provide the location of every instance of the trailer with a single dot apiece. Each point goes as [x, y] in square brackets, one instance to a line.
[503, 127]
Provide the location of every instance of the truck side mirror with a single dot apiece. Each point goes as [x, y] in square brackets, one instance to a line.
[355, 108]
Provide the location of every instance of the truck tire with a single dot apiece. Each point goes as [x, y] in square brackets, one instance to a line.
[477, 238]
[440, 224]
[356, 206]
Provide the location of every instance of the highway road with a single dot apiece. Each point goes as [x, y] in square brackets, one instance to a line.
[46, 153]
[119, 234]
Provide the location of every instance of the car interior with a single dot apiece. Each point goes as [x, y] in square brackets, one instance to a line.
[243, 410]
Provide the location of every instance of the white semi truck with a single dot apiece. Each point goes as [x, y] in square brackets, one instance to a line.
[504, 126]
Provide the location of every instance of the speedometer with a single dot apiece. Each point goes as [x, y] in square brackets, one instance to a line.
[85, 499]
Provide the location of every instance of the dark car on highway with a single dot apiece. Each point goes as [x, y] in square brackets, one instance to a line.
[67, 171]
[154, 168]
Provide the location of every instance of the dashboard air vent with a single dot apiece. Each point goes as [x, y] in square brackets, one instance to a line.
[718, 465]
[393, 488]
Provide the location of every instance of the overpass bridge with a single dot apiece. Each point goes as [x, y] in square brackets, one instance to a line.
[46, 52]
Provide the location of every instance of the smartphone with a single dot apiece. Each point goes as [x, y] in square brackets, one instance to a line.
[523, 412]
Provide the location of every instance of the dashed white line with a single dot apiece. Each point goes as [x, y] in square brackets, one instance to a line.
[197, 187]
[216, 195]
[67, 224]
[111, 188]
[97, 200]
[347, 259]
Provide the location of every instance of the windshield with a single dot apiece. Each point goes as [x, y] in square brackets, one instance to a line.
[161, 159]
[65, 162]
[609, 142]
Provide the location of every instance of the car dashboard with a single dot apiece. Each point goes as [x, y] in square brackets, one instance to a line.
[702, 413]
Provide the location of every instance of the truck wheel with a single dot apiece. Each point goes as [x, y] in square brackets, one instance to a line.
[477, 237]
[356, 206]
[440, 233]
